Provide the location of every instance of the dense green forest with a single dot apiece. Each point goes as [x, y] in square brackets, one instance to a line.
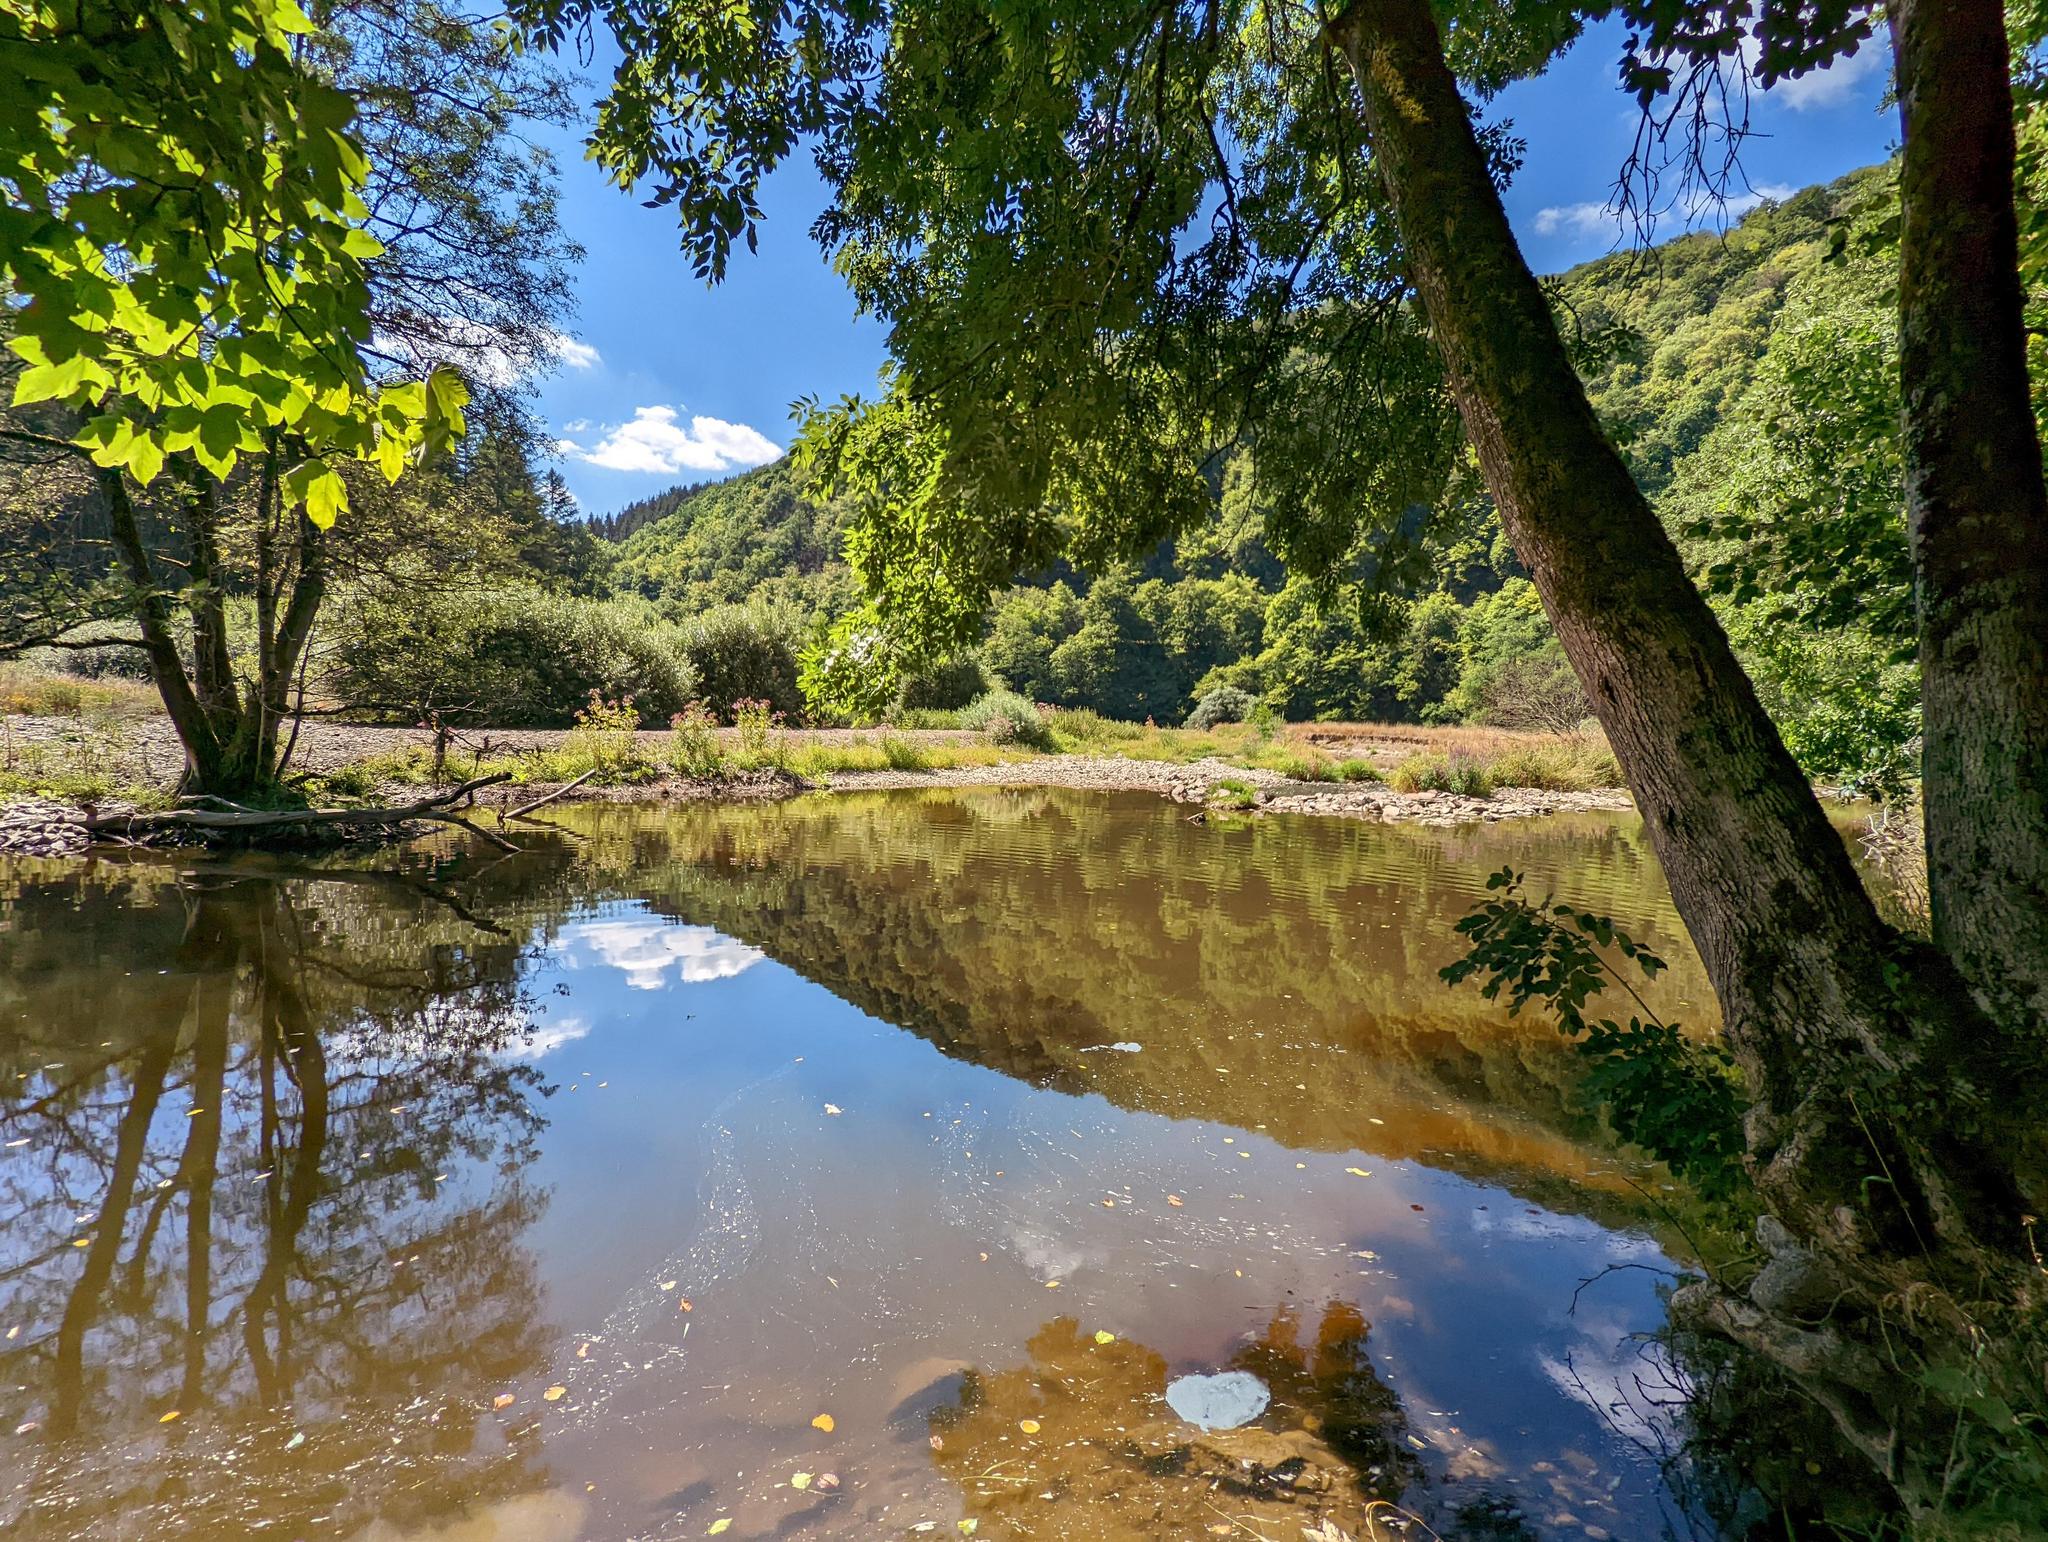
[1707, 358]
[1691, 349]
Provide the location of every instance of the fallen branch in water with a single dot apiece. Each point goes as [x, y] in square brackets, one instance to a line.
[252, 821]
[527, 808]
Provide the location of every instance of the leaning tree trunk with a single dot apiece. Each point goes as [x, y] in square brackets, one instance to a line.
[1822, 1002]
[1976, 506]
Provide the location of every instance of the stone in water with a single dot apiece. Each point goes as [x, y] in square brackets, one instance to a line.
[1218, 1402]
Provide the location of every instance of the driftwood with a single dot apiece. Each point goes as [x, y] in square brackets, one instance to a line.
[527, 808]
[235, 819]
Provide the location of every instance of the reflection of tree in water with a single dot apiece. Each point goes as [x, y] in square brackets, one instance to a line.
[283, 1202]
[1078, 1443]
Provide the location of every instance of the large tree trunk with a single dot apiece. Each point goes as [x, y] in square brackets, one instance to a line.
[1976, 506]
[1877, 1081]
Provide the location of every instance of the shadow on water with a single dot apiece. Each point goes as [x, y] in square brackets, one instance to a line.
[835, 1093]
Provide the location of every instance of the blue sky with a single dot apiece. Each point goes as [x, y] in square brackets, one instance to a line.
[670, 381]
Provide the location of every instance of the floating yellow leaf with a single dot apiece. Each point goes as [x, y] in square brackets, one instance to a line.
[822, 1422]
[968, 1527]
[799, 1480]
[1052, 1284]
[1103, 1337]
[1358, 1172]
[583, 1351]
[668, 1285]
[1028, 1426]
[719, 1525]
[1174, 1200]
[555, 1394]
[503, 1400]
[173, 1414]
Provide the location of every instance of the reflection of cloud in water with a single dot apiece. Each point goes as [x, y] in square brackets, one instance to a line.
[1623, 1377]
[545, 1041]
[645, 949]
[1532, 1225]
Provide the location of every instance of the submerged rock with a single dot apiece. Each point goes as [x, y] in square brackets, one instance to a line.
[1221, 1402]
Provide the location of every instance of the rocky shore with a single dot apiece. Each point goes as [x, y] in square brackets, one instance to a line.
[47, 827]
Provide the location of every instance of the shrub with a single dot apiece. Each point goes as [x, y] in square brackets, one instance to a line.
[923, 717]
[693, 741]
[1537, 691]
[512, 657]
[758, 726]
[1084, 725]
[1007, 718]
[1356, 770]
[1233, 793]
[1557, 767]
[1299, 767]
[944, 686]
[1225, 704]
[744, 654]
[902, 755]
[1441, 773]
[604, 733]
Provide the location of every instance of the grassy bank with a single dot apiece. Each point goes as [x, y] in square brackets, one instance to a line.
[83, 740]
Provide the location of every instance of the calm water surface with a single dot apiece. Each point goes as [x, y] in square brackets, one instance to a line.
[864, 1167]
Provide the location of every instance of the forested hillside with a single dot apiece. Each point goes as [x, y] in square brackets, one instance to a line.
[1688, 349]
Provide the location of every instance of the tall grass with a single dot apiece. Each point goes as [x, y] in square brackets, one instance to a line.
[33, 692]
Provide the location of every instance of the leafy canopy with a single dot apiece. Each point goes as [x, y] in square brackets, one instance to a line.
[183, 234]
[1114, 244]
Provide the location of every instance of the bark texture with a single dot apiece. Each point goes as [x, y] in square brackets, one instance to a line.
[1878, 1135]
[1793, 943]
[1976, 506]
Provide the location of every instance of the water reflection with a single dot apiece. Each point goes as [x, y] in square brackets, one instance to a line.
[269, 1232]
[601, 1191]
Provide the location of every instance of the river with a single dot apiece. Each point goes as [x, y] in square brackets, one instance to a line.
[863, 1166]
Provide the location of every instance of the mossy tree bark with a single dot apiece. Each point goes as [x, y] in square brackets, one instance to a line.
[1883, 1090]
[1976, 506]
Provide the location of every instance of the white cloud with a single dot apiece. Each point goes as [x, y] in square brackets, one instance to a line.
[657, 441]
[645, 951]
[1582, 221]
[576, 426]
[1699, 204]
[1578, 219]
[545, 1041]
[575, 354]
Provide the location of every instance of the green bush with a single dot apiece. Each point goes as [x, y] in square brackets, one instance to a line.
[1084, 725]
[693, 741]
[741, 653]
[1556, 767]
[923, 717]
[1007, 718]
[604, 733]
[509, 657]
[945, 686]
[1357, 770]
[1232, 793]
[1441, 773]
[902, 755]
[1225, 704]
